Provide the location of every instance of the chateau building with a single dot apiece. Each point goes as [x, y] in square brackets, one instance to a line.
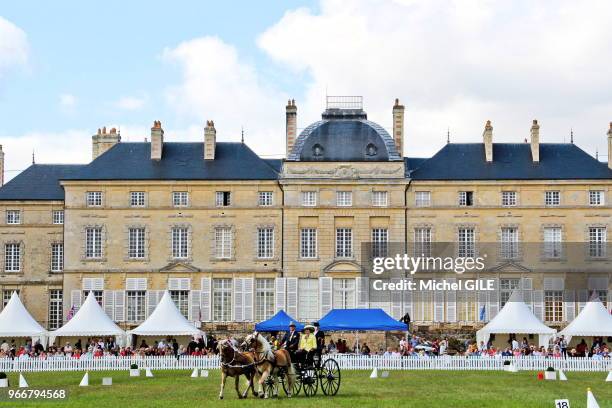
[235, 237]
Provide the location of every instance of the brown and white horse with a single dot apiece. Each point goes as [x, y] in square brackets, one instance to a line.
[234, 364]
[269, 362]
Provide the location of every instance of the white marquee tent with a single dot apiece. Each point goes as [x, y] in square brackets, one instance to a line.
[90, 320]
[166, 320]
[516, 317]
[593, 320]
[15, 321]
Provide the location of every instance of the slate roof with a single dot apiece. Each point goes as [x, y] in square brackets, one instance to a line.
[344, 140]
[511, 161]
[276, 164]
[39, 182]
[180, 161]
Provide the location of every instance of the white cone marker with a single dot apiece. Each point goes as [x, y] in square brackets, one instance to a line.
[194, 373]
[591, 401]
[22, 381]
[374, 373]
[609, 377]
[85, 380]
[149, 373]
[562, 376]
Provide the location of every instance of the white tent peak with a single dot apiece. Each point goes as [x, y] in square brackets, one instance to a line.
[516, 317]
[593, 320]
[166, 319]
[15, 321]
[90, 320]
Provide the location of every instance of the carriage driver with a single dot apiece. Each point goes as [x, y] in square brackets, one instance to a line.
[291, 341]
[308, 345]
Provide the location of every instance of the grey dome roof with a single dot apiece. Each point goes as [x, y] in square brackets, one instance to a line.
[353, 139]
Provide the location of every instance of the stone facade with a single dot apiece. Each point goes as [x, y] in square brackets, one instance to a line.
[246, 241]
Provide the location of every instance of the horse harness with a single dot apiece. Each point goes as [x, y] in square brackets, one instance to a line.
[241, 366]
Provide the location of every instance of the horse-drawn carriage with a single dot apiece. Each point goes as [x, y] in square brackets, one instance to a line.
[311, 373]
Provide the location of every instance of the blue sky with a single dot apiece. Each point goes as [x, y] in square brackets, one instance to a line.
[69, 67]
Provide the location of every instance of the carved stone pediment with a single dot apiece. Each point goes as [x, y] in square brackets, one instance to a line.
[510, 267]
[344, 171]
[343, 266]
[179, 267]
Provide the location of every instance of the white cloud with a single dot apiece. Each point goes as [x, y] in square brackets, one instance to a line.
[67, 101]
[456, 64]
[13, 46]
[71, 146]
[217, 85]
[131, 103]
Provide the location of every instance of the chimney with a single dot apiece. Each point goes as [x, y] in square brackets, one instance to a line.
[609, 150]
[157, 140]
[103, 141]
[535, 141]
[487, 137]
[1, 166]
[291, 125]
[210, 140]
[398, 127]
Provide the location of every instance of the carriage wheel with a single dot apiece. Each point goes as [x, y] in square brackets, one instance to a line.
[330, 377]
[270, 386]
[297, 383]
[310, 382]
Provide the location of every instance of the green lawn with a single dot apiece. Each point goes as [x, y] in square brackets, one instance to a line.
[422, 389]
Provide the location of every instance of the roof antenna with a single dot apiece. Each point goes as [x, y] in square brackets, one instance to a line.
[448, 135]
[33, 160]
[571, 136]
[597, 154]
[242, 133]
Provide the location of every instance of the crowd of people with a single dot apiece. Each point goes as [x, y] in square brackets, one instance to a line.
[107, 347]
[409, 346]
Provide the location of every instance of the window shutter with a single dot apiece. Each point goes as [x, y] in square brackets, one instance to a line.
[119, 306]
[153, 298]
[438, 306]
[325, 295]
[451, 302]
[569, 305]
[247, 290]
[179, 284]
[493, 299]
[599, 283]
[610, 301]
[136, 284]
[408, 301]
[583, 296]
[538, 304]
[396, 301]
[238, 300]
[205, 299]
[108, 298]
[292, 296]
[279, 296]
[195, 303]
[75, 300]
[528, 292]
[553, 284]
[93, 284]
[362, 288]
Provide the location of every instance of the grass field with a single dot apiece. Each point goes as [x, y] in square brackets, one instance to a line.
[422, 389]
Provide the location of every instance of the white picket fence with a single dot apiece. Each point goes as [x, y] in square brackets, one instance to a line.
[346, 362]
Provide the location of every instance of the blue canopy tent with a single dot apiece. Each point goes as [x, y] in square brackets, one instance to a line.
[279, 322]
[360, 319]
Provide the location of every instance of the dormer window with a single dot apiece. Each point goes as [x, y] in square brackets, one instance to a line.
[317, 151]
[371, 150]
